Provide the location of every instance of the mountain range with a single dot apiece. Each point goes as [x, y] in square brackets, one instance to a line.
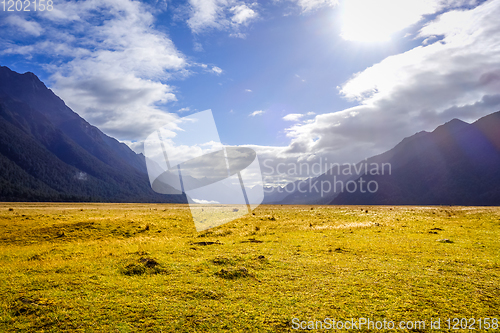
[50, 153]
[456, 164]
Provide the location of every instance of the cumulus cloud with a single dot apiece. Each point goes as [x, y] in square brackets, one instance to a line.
[309, 5]
[242, 14]
[256, 113]
[29, 27]
[457, 76]
[293, 117]
[367, 20]
[216, 70]
[205, 15]
[115, 75]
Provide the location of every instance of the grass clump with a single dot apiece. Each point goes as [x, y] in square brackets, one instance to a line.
[134, 269]
[223, 261]
[30, 306]
[232, 273]
[144, 266]
[445, 241]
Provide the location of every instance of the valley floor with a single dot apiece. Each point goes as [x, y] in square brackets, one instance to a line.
[144, 268]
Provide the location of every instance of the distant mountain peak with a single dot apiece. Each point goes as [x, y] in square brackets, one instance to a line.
[456, 164]
[456, 122]
[451, 126]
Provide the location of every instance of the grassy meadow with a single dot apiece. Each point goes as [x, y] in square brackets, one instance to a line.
[144, 268]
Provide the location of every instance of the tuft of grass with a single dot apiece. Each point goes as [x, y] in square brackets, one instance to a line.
[134, 269]
[223, 261]
[445, 241]
[143, 266]
[232, 273]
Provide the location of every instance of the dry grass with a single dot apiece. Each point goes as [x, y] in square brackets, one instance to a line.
[144, 268]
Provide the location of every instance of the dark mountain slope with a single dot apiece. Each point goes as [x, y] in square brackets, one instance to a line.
[456, 164]
[40, 162]
[31, 91]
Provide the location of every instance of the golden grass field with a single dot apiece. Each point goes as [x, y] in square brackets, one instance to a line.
[144, 268]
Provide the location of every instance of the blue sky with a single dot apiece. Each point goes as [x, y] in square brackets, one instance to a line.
[298, 80]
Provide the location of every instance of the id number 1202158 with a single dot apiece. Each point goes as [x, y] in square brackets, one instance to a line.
[26, 5]
[473, 323]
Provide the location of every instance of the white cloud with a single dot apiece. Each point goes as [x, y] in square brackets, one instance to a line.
[248, 90]
[205, 202]
[220, 15]
[29, 27]
[115, 75]
[242, 14]
[445, 72]
[137, 146]
[217, 70]
[458, 77]
[256, 113]
[197, 47]
[293, 117]
[309, 5]
[184, 110]
[238, 35]
[367, 20]
[205, 14]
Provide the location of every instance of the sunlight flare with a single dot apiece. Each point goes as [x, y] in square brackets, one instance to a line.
[377, 21]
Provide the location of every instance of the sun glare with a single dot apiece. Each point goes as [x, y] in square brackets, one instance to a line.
[377, 21]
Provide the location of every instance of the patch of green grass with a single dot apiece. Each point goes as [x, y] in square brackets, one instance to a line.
[144, 268]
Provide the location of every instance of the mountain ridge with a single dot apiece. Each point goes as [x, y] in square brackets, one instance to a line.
[442, 176]
[49, 153]
[456, 164]
[28, 88]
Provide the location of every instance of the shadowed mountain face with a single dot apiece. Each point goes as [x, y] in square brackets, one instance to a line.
[27, 88]
[49, 153]
[456, 164]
